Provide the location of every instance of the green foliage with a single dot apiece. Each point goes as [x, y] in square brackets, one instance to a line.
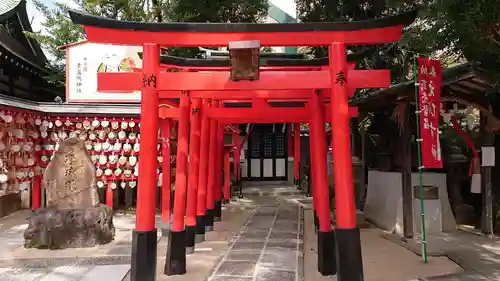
[395, 57]
[266, 49]
[129, 10]
[466, 30]
[216, 11]
[453, 30]
[28, 244]
[61, 31]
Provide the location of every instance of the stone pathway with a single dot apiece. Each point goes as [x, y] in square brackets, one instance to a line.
[261, 238]
[20, 264]
[382, 259]
[281, 189]
[479, 256]
[268, 247]
[77, 272]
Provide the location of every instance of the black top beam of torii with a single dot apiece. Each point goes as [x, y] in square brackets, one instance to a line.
[86, 19]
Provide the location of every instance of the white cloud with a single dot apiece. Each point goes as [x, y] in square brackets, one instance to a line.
[34, 15]
[68, 3]
[37, 18]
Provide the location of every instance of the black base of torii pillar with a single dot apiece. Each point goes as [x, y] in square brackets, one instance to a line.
[327, 262]
[175, 263]
[209, 220]
[200, 229]
[143, 263]
[349, 260]
[218, 210]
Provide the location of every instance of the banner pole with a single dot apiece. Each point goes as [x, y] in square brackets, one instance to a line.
[419, 159]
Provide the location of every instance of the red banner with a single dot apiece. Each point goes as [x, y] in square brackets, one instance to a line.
[429, 92]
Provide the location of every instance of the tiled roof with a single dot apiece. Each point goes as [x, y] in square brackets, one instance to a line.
[8, 5]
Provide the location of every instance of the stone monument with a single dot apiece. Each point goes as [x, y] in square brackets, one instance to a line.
[69, 179]
[73, 217]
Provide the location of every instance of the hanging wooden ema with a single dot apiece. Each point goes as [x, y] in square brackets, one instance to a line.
[244, 58]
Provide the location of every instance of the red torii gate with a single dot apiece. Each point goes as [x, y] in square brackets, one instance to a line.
[373, 78]
[151, 81]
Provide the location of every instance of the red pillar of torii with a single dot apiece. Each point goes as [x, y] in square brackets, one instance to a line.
[218, 170]
[236, 158]
[296, 153]
[227, 177]
[166, 130]
[212, 160]
[201, 210]
[338, 78]
[320, 173]
[177, 235]
[193, 175]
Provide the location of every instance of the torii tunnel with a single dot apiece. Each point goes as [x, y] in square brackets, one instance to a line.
[315, 92]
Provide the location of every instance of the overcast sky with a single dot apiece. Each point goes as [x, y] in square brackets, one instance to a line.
[287, 6]
[34, 15]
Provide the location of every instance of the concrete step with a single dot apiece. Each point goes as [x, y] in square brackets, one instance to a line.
[266, 183]
[271, 191]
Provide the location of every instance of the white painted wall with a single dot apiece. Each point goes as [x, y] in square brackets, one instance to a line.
[384, 203]
[268, 167]
[280, 167]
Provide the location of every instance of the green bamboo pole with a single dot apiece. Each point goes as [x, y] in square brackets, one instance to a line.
[42, 197]
[419, 160]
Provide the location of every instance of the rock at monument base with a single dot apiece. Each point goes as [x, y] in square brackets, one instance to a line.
[52, 228]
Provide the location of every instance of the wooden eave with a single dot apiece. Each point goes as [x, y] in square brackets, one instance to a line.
[34, 55]
[72, 109]
[464, 83]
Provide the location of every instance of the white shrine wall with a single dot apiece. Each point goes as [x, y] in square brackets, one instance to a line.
[384, 203]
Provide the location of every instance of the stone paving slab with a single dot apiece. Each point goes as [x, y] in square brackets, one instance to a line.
[113, 261]
[55, 262]
[284, 235]
[20, 264]
[270, 189]
[113, 272]
[63, 269]
[275, 275]
[235, 268]
[10, 274]
[66, 273]
[209, 253]
[467, 276]
[253, 235]
[267, 248]
[243, 256]
[382, 259]
[477, 255]
[11, 241]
